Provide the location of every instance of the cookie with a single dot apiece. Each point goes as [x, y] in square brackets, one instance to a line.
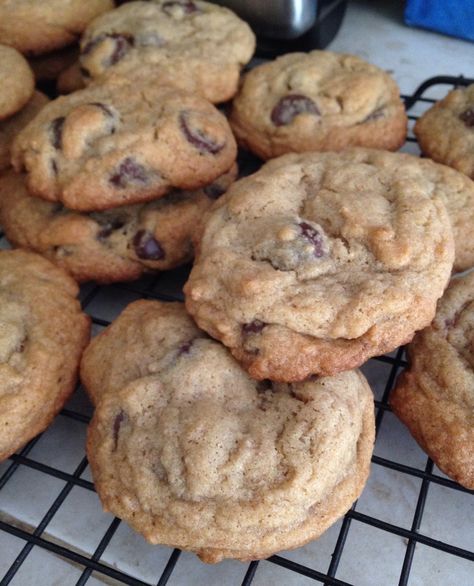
[198, 46]
[42, 335]
[197, 455]
[317, 101]
[144, 333]
[34, 28]
[48, 67]
[434, 397]
[121, 143]
[314, 264]
[10, 127]
[445, 132]
[17, 83]
[70, 80]
[108, 246]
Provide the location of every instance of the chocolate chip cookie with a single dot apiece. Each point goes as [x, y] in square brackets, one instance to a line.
[195, 45]
[435, 396]
[120, 143]
[315, 263]
[42, 335]
[115, 245]
[17, 83]
[446, 131]
[317, 101]
[35, 27]
[132, 346]
[199, 456]
[10, 127]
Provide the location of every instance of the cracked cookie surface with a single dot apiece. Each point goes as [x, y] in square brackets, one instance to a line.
[120, 143]
[434, 397]
[17, 83]
[315, 263]
[197, 455]
[445, 132]
[34, 27]
[317, 101]
[42, 335]
[198, 46]
[107, 246]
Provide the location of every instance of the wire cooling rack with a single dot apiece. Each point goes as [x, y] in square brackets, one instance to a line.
[412, 525]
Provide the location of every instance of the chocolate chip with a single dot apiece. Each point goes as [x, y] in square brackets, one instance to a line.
[467, 117]
[118, 421]
[185, 348]
[129, 172]
[108, 227]
[375, 115]
[54, 166]
[122, 44]
[197, 137]
[291, 106]
[264, 385]
[214, 191]
[57, 131]
[84, 72]
[103, 107]
[187, 6]
[254, 327]
[147, 247]
[314, 237]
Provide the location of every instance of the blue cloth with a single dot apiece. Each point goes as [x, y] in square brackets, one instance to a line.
[451, 17]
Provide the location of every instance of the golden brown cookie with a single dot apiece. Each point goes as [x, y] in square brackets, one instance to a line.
[199, 456]
[10, 127]
[198, 46]
[34, 27]
[315, 263]
[16, 81]
[107, 246]
[434, 397]
[317, 101]
[42, 335]
[446, 131]
[127, 141]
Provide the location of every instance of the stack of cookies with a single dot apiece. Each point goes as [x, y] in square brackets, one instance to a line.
[237, 424]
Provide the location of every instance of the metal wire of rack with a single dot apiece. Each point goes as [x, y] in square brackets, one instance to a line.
[93, 568]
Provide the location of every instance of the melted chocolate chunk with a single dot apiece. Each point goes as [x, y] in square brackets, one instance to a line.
[109, 227]
[122, 44]
[314, 237]
[291, 106]
[264, 385]
[118, 421]
[197, 137]
[104, 108]
[147, 247]
[129, 172]
[185, 348]
[214, 191]
[57, 131]
[467, 117]
[84, 72]
[254, 327]
[187, 6]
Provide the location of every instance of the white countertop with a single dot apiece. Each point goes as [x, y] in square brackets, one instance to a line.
[371, 556]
